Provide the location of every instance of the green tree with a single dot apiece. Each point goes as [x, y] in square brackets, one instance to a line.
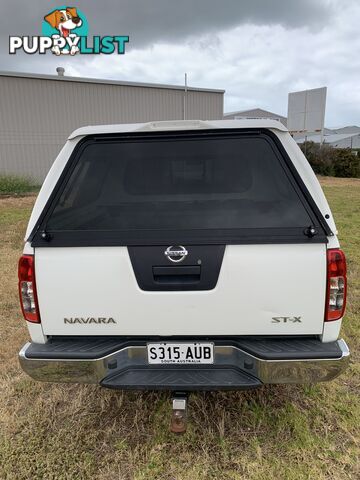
[346, 163]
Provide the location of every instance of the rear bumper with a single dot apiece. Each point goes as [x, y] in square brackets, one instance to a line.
[238, 364]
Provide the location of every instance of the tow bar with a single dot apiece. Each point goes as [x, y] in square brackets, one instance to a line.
[178, 421]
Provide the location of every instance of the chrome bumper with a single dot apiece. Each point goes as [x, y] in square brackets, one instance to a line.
[135, 357]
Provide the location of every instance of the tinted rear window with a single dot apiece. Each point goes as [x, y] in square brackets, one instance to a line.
[192, 184]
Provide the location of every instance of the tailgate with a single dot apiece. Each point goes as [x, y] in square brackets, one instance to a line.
[261, 290]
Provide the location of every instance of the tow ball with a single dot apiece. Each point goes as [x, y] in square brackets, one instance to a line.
[178, 421]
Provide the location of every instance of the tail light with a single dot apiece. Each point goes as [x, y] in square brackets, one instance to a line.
[336, 285]
[27, 289]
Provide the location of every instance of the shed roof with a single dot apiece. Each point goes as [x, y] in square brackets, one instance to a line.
[65, 78]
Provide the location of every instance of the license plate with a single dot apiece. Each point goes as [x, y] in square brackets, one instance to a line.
[181, 353]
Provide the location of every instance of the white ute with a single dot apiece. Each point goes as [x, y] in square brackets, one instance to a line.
[182, 255]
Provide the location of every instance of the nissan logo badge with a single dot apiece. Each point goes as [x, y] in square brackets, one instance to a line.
[176, 254]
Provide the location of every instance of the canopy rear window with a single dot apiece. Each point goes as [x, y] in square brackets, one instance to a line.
[183, 189]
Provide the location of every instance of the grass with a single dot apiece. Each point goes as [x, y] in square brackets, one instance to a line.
[15, 185]
[58, 431]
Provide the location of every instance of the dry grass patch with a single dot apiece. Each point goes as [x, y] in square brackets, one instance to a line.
[339, 182]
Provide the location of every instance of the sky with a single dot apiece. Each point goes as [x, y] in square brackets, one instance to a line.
[256, 50]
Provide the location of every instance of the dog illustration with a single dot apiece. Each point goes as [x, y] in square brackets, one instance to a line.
[64, 21]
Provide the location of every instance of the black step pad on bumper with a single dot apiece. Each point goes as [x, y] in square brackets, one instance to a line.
[180, 378]
[267, 349]
[76, 348]
[290, 349]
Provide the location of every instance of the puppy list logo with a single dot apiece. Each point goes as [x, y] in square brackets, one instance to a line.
[65, 32]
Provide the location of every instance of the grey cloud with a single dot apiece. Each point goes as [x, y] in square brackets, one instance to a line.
[150, 21]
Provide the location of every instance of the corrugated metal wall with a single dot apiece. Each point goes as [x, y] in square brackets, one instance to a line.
[37, 115]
